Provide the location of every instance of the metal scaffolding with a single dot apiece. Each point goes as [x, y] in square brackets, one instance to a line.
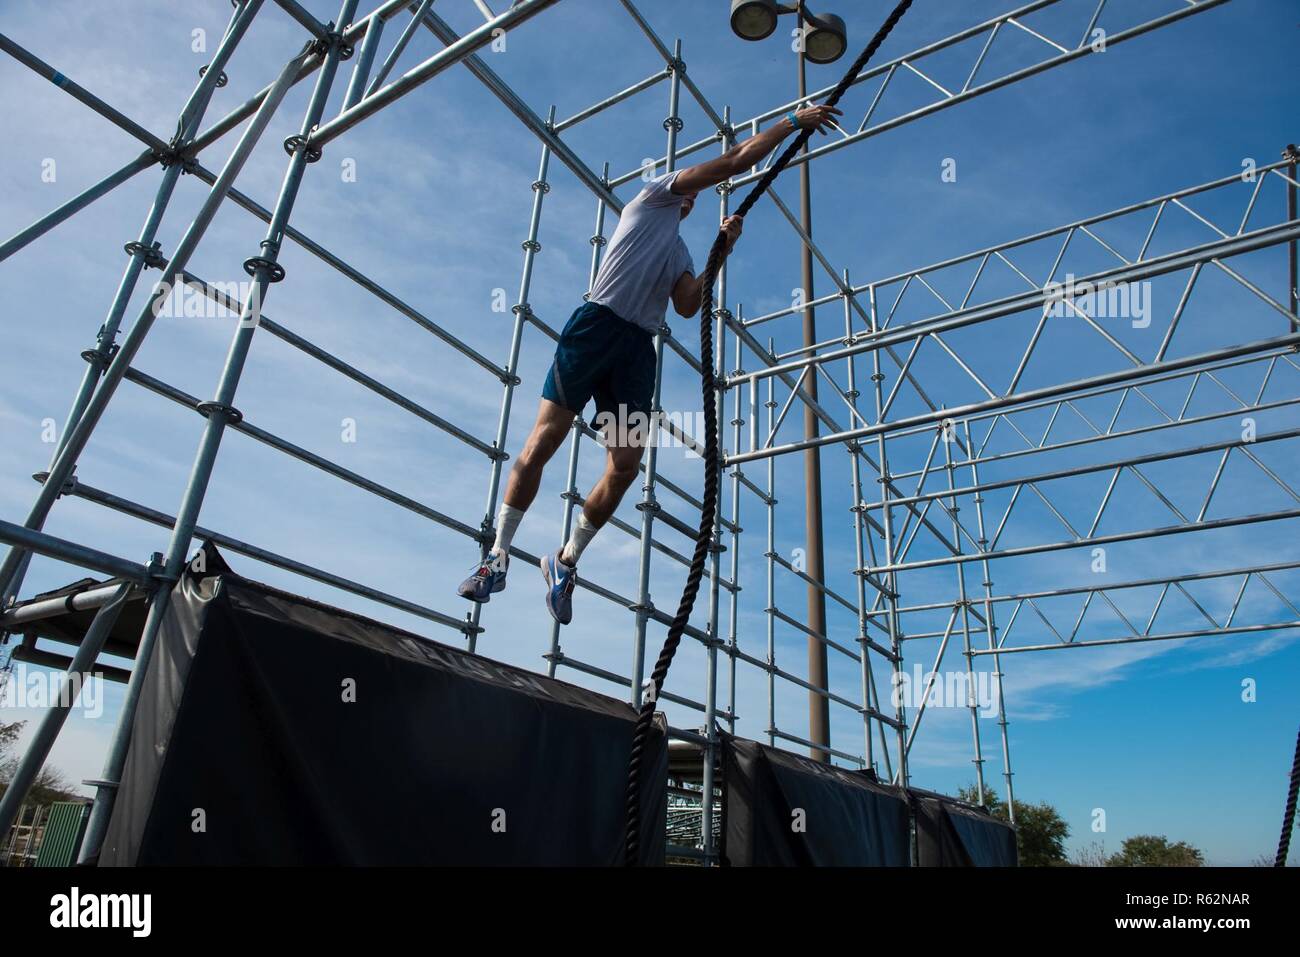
[880, 402]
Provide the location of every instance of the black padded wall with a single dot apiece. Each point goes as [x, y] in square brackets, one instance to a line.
[275, 730]
[783, 809]
[954, 834]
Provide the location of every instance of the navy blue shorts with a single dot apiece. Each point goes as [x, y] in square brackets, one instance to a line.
[603, 357]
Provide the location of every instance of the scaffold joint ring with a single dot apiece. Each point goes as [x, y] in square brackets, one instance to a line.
[232, 415]
[274, 271]
[293, 144]
[222, 79]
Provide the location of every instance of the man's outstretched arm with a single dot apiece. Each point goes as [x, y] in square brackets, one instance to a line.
[744, 155]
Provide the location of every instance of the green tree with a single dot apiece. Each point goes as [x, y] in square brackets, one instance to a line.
[50, 785]
[1040, 830]
[8, 760]
[1090, 855]
[1148, 850]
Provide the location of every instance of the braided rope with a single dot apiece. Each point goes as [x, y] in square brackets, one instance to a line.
[711, 463]
[1288, 817]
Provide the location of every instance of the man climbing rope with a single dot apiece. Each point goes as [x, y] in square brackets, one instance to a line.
[605, 352]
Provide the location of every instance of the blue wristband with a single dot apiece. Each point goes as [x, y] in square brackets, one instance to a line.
[794, 121]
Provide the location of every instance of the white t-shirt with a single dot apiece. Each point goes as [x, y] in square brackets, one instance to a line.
[646, 257]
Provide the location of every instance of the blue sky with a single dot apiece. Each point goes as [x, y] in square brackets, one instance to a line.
[1156, 734]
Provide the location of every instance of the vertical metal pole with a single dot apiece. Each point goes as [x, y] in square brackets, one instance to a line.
[719, 317]
[990, 626]
[948, 438]
[770, 405]
[819, 715]
[522, 310]
[141, 252]
[733, 641]
[648, 506]
[265, 270]
[891, 579]
[31, 833]
[57, 713]
[571, 484]
[365, 60]
[1292, 155]
[855, 462]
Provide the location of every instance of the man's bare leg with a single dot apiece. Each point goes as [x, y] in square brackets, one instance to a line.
[622, 459]
[553, 421]
[622, 465]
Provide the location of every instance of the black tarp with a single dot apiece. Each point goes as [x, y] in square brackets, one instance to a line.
[848, 819]
[952, 833]
[244, 728]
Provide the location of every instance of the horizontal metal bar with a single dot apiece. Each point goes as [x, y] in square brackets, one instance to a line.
[673, 487]
[353, 33]
[823, 748]
[50, 659]
[454, 53]
[76, 204]
[1036, 298]
[295, 10]
[694, 853]
[29, 540]
[39, 609]
[1081, 589]
[830, 592]
[512, 101]
[365, 282]
[1123, 433]
[310, 458]
[1084, 469]
[232, 544]
[1134, 639]
[812, 633]
[777, 672]
[655, 543]
[1158, 532]
[987, 87]
[619, 97]
[669, 59]
[84, 96]
[326, 358]
[1031, 395]
[568, 661]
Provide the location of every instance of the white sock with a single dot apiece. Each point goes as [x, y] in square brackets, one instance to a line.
[583, 533]
[507, 521]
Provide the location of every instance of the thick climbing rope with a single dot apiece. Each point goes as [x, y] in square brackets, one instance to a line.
[1288, 816]
[711, 457]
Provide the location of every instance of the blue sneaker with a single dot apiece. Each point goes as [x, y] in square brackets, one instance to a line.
[489, 578]
[560, 579]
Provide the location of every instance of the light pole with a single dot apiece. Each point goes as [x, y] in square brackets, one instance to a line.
[823, 39]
